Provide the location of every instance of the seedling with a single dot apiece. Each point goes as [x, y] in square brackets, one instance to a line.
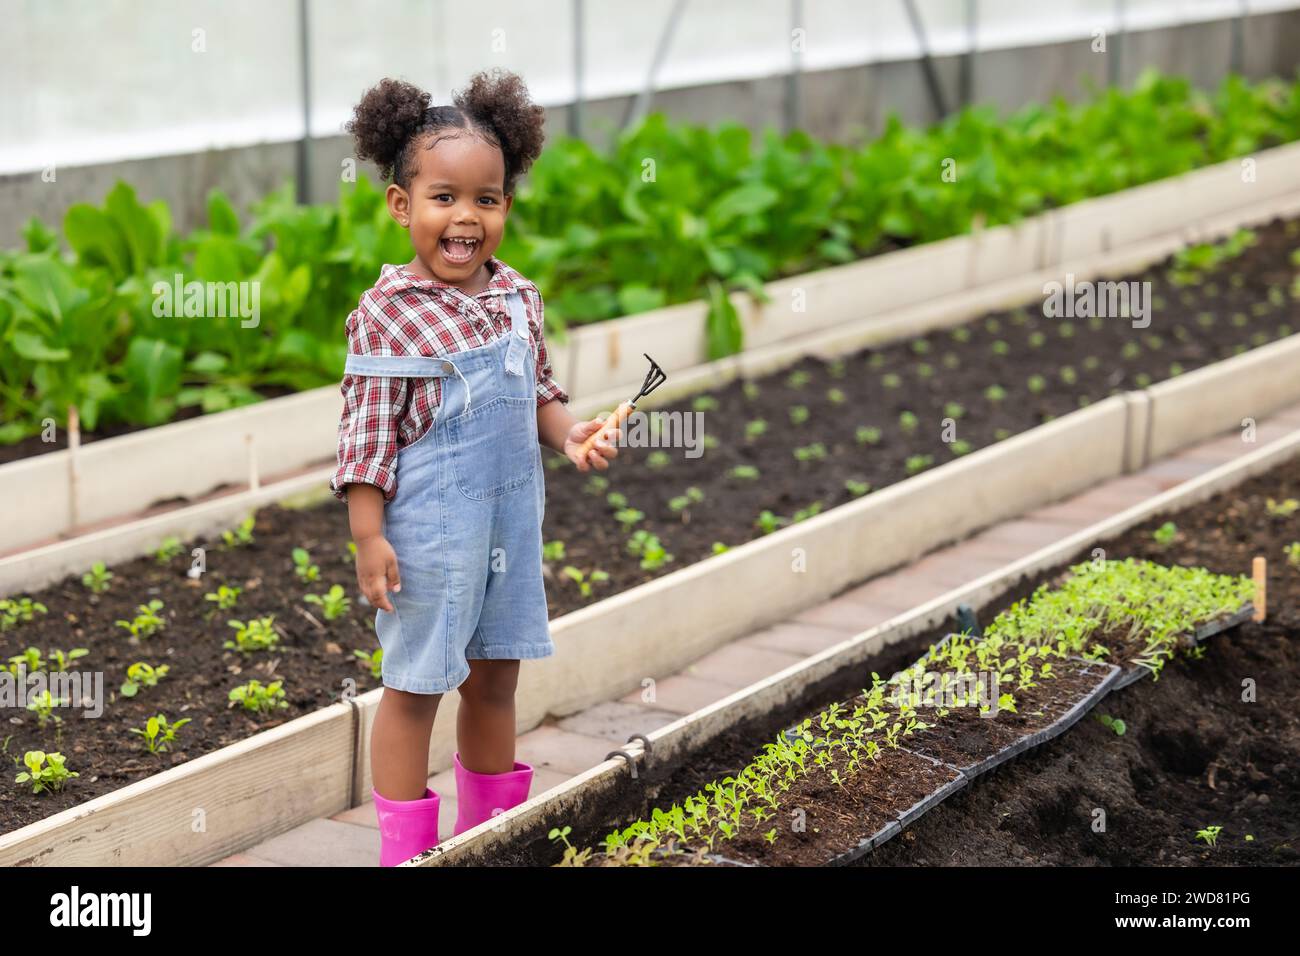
[750, 390]
[41, 776]
[224, 597]
[30, 659]
[961, 446]
[158, 734]
[769, 522]
[803, 514]
[258, 634]
[43, 704]
[755, 429]
[302, 566]
[240, 535]
[866, 435]
[704, 403]
[953, 410]
[97, 578]
[798, 414]
[797, 379]
[1210, 835]
[918, 463]
[372, 659]
[1282, 509]
[596, 484]
[658, 459]
[836, 396]
[140, 675]
[1165, 534]
[146, 622]
[585, 580]
[628, 517]
[744, 472]
[857, 488]
[995, 393]
[61, 660]
[1114, 723]
[719, 548]
[258, 698]
[891, 380]
[680, 503]
[908, 422]
[333, 604]
[169, 549]
[1000, 348]
[553, 551]
[616, 500]
[648, 547]
[1036, 384]
[814, 452]
[19, 611]
[1292, 552]
[350, 555]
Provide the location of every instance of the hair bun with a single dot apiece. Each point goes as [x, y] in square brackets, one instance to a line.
[385, 119]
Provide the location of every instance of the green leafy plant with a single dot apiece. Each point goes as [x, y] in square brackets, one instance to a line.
[1210, 835]
[334, 603]
[45, 771]
[258, 634]
[146, 622]
[302, 566]
[769, 522]
[224, 597]
[97, 578]
[867, 435]
[553, 551]
[658, 459]
[651, 551]
[628, 517]
[585, 580]
[158, 734]
[15, 611]
[814, 452]
[259, 698]
[744, 472]
[1113, 723]
[374, 660]
[798, 414]
[1292, 554]
[141, 674]
[240, 535]
[168, 550]
[1165, 534]
[1282, 509]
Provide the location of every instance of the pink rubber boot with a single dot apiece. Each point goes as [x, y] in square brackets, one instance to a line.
[482, 795]
[406, 827]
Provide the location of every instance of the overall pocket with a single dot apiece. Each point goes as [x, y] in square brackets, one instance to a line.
[494, 446]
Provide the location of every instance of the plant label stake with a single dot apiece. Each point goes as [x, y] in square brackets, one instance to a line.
[1259, 570]
[654, 378]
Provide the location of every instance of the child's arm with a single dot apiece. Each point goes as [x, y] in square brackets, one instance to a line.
[557, 428]
[367, 449]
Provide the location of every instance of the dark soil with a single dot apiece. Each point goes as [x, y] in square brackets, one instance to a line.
[933, 372]
[1194, 754]
[314, 659]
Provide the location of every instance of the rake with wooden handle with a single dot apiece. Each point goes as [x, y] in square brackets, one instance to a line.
[654, 378]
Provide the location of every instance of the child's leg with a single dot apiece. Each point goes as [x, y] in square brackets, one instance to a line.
[399, 743]
[485, 722]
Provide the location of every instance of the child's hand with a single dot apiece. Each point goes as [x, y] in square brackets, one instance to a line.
[377, 571]
[603, 449]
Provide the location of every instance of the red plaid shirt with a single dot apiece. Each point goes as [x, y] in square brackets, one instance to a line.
[403, 314]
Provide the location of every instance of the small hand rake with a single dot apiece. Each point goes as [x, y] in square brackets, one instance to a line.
[654, 378]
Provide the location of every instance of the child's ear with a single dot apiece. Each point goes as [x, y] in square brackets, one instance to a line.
[510, 200]
[399, 205]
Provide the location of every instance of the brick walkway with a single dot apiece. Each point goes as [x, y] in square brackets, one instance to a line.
[559, 749]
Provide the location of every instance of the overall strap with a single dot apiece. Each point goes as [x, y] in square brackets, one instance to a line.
[518, 347]
[404, 366]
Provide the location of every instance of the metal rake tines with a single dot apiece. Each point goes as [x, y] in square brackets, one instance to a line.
[653, 379]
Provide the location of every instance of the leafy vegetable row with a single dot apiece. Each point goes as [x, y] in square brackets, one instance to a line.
[670, 213]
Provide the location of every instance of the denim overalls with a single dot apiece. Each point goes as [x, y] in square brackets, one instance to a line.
[466, 522]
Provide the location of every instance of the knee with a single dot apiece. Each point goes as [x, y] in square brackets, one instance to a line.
[490, 688]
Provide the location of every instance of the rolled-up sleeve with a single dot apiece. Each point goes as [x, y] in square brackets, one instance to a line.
[372, 411]
[547, 387]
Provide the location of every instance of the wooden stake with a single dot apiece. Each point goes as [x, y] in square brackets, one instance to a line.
[1259, 569]
[74, 466]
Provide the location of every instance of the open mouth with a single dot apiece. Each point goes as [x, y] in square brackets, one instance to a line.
[458, 250]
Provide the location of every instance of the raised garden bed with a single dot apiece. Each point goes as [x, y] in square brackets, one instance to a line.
[1192, 736]
[308, 655]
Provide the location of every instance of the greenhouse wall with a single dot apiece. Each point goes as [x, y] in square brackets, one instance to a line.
[237, 120]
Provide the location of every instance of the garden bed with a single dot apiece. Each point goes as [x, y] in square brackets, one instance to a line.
[1192, 754]
[318, 655]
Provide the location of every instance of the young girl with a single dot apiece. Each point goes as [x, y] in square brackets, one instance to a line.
[447, 393]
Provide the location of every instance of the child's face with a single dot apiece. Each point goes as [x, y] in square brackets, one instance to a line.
[457, 192]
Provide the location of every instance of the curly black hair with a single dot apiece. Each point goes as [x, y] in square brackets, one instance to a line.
[394, 119]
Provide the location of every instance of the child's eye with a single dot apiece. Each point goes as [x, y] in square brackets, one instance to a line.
[487, 199]
[443, 196]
